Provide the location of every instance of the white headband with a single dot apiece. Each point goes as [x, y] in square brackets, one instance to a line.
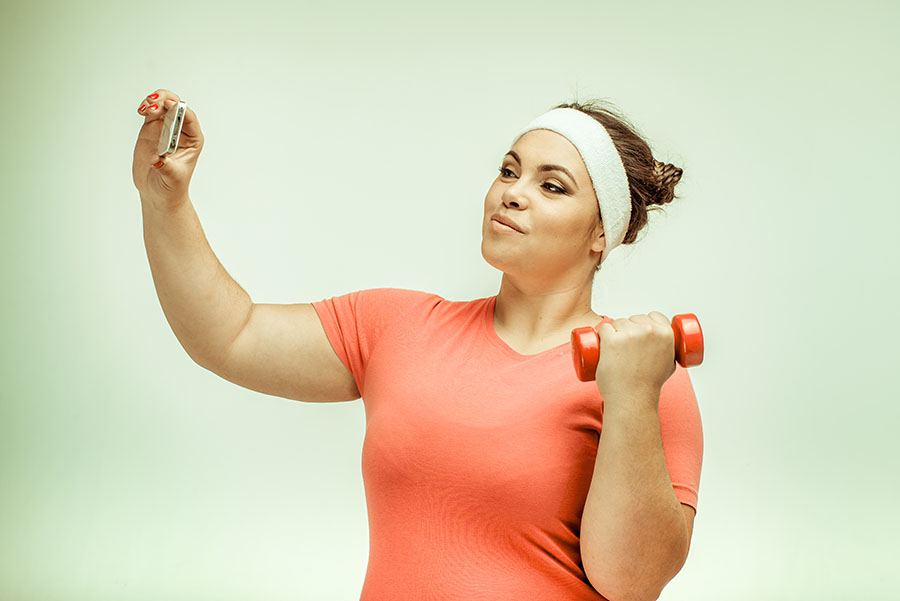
[604, 166]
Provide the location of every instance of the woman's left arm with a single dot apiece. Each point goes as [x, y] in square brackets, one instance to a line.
[635, 533]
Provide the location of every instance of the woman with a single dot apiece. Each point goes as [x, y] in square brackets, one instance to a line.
[485, 471]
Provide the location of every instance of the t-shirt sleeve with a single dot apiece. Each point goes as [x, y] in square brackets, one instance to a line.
[682, 435]
[354, 323]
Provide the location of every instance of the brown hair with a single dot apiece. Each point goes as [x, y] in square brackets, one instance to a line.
[650, 182]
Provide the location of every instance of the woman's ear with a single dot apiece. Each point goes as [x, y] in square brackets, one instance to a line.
[599, 244]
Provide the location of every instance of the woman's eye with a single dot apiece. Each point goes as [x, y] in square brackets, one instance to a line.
[555, 189]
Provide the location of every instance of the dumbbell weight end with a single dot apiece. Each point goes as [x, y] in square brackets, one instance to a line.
[688, 346]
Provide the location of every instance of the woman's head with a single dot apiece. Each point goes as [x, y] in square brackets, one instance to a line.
[544, 186]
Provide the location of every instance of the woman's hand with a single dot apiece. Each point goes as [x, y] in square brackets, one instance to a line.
[163, 181]
[637, 355]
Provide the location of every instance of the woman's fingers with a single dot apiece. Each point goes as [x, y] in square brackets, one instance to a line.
[191, 127]
[154, 105]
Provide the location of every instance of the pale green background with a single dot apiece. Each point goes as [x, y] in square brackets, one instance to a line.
[334, 134]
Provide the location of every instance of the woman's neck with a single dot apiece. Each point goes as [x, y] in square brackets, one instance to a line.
[537, 317]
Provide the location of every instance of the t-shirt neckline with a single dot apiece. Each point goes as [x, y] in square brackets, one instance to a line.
[487, 322]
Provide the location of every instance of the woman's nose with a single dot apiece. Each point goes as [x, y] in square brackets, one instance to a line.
[513, 196]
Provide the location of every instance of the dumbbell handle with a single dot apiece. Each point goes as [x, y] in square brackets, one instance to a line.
[688, 346]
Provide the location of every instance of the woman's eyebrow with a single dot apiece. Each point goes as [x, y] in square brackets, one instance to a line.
[546, 167]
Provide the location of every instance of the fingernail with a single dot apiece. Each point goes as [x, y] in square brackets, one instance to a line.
[143, 106]
[158, 164]
[153, 96]
[170, 100]
[153, 107]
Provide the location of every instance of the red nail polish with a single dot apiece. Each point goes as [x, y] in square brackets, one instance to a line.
[153, 96]
[153, 107]
[143, 106]
[170, 100]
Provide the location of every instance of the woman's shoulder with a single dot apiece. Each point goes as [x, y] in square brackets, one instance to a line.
[412, 301]
[415, 294]
[399, 294]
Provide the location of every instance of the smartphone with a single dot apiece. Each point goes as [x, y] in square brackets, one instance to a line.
[171, 131]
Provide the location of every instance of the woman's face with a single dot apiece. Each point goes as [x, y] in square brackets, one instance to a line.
[556, 211]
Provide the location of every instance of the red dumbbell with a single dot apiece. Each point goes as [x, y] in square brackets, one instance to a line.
[688, 345]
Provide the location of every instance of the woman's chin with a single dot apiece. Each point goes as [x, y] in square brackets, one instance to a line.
[501, 263]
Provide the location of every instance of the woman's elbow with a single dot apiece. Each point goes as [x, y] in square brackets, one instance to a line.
[629, 584]
[627, 594]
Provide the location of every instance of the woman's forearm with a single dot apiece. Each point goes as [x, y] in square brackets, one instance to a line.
[203, 304]
[634, 537]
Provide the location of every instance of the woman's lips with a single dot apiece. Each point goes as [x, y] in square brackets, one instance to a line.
[501, 228]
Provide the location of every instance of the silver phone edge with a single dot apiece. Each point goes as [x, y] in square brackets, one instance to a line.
[171, 141]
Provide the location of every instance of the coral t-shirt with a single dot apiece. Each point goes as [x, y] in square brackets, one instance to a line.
[477, 460]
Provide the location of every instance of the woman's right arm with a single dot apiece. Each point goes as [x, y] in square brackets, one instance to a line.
[275, 349]
[204, 306]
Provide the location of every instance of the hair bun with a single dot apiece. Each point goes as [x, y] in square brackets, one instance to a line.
[667, 176]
